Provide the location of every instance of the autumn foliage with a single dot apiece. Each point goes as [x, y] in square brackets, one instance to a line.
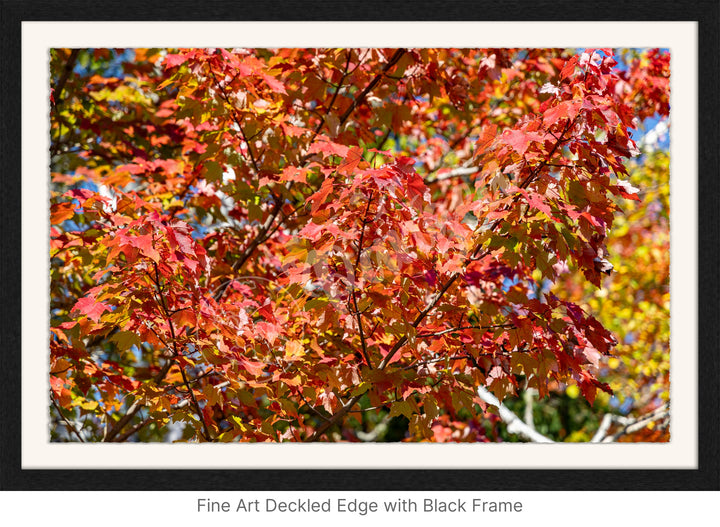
[302, 245]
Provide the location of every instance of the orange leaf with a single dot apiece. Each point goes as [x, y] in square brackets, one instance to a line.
[60, 212]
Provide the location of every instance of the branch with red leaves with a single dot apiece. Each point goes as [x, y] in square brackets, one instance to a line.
[265, 232]
[473, 255]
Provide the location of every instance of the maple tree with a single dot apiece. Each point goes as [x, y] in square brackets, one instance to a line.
[304, 244]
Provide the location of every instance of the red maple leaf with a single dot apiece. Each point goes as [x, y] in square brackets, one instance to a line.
[145, 244]
[318, 198]
[564, 110]
[325, 146]
[91, 308]
[173, 60]
[520, 139]
[538, 202]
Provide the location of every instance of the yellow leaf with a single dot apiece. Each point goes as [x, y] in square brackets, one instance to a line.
[294, 350]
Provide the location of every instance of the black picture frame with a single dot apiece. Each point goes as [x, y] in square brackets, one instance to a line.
[706, 477]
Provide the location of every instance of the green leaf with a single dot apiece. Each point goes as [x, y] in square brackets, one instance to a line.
[126, 340]
[361, 388]
[430, 408]
[213, 171]
[255, 213]
[401, 408]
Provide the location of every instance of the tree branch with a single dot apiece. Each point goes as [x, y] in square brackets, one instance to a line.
[57, 98]
[259, 238]
[125, 436]
[335, 418]
[455, 172]
[176, 354]
[528, 398]
[225, 97]
[628, 425]
[136, 406]
[358, 315]
[312, 408]
[62, 416]
[431, 305]
[460, 328]
[67, 70]
[515, 425]
[361, 97]
[323, 120]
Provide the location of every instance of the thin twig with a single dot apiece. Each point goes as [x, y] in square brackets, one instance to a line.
[164, 307]
[455, 172]
[136, 406]
[225, 97]
[135, 429]
[67, 422]
[259, 238]
[312, 408]
[361, 97]
[358, 315]
[323, 120]
[460, 328]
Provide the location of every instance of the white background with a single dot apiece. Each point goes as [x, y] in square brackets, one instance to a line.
[540, 509]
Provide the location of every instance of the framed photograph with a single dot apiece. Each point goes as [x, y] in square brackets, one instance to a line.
[282, 246]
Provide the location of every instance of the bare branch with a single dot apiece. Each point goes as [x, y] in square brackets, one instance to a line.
[515, 425]
[225, 97]
[528, 398]
[628, 425]
[336, 417]
[380, 428]
[602, 430]
[312, 408]
[455, 172]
